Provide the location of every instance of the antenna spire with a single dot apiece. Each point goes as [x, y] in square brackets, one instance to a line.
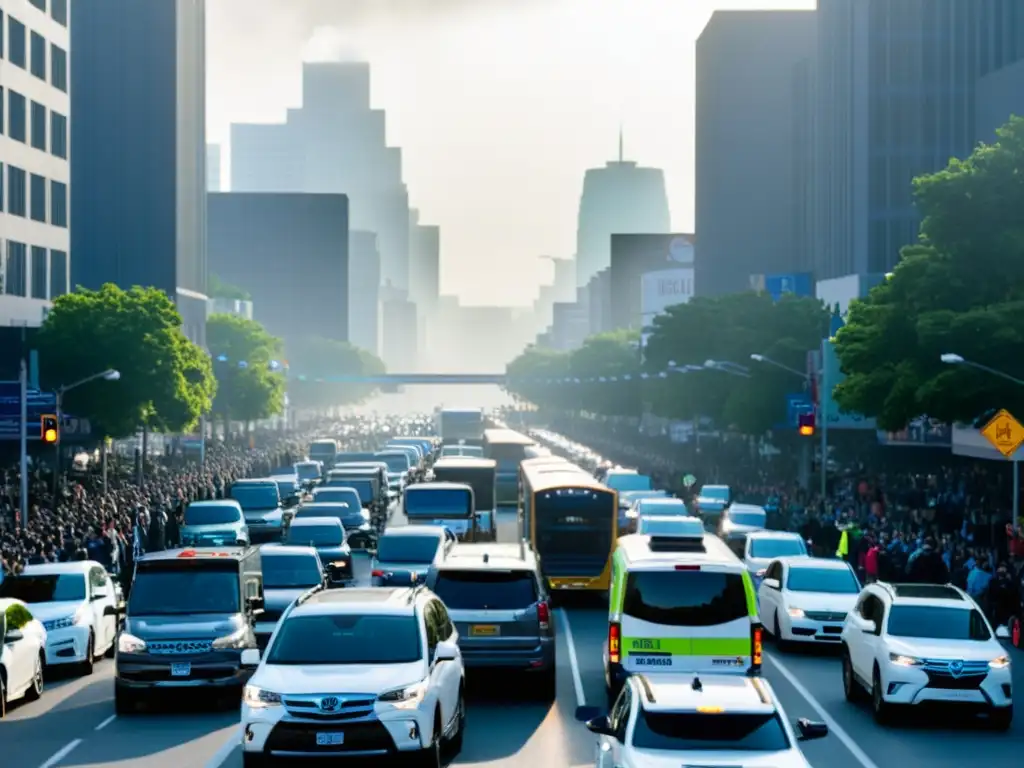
[621, 152]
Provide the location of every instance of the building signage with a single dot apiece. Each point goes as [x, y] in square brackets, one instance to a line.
[660, 290]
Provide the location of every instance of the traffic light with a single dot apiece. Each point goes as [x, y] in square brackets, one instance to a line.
[805, 424]
[49, 430]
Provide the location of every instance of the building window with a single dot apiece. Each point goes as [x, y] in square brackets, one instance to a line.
[59, 11]
[59, 135]
[38, 194]
[15, 191]
[40, 4]
[1, 33]
[38, 56]
[15, 42]
[58, 274]
[38, 126]
[38, 272]
[2, 186]
[15, 115]
[58, 204]
[59, 67]
[15, 276]
[1, 97]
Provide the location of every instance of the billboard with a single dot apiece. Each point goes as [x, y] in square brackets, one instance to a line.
[634, 255]
[778, 285]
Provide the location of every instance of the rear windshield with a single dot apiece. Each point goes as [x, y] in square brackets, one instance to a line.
[347, 639]
[397, 462]
[486, 590]
[223, 514]
[307, 471]
[753, 519]
[508, 457]
[45, 589]
[937, 623]
[685, 598]
[363, 487]
[407, 549]
[430, 502]
[769, 549]
[290, 571]
[316, 535]
[628, 482]
[338, 510]
[827, 580]
[256, 496]
[342, 495]
[686, 732]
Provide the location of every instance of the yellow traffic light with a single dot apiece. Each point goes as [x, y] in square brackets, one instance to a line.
[805, 424]
[49, 431]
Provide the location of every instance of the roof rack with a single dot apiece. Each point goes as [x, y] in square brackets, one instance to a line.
[686, 542]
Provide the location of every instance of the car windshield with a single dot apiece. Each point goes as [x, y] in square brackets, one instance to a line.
[290, 571]
[831, 581]
[769, 549]
[686, 731]
[287, 487]
[338, 510]
[44, 588]
[183, 591]
[625, 481]
[751, 519]
[316, 535]
[435, 502]
[346, 639]
[397, 462]
[407, 549]
[937, 623]
[685, 598]
[363, 487]
[264, 496]
[214, 514]
[307, 471]
[486, 590]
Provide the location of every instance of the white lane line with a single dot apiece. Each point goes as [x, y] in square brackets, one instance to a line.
[61, 754]
[227, 749]
[833, 727]
[577, 680]
[105, 723]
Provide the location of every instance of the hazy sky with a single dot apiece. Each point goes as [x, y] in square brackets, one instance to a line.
[499, 107]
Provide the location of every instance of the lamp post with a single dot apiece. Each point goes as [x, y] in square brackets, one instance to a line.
[108, 375]
[805, 454]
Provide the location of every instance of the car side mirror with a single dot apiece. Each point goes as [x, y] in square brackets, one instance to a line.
[599, 725]
[772, 583]
[446, 652]
[250, 657]
[811, 729]
[868, 627]
[14, 635]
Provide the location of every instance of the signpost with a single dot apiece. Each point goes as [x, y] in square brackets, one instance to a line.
[1007, 435]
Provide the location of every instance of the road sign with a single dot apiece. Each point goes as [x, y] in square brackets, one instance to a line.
[1005, 433]
[797, 404]
[38, 404]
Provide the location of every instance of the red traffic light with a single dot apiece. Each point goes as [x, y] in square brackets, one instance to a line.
[48, 429]
[805, 424]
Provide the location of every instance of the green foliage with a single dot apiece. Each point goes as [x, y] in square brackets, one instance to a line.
[961, 291]
[727, 329]
[316, 364]
[216, 289]
[253, 391]
[17, 616]
[166, 380]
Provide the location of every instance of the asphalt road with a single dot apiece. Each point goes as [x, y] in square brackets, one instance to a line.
[74, 723]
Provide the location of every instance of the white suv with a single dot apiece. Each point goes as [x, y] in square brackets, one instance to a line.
[909, 644]
[357, 673]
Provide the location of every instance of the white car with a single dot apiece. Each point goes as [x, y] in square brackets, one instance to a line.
[909, 644]
[357, 673]
[76, 603]
[674, 719]
[22, 654]
[762, 547]
[806, 599]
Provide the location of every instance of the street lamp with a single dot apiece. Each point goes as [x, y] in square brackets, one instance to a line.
[951, 358]
[727, 367]
[822, 418]
[108, 375]
[768, 361]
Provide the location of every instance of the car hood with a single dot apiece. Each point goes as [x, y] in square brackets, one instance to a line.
[276, 600]
[952, 650]
[195, 626]
[369, 679]
[61, 609]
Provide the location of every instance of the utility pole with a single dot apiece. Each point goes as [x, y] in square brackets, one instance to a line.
[23, 466]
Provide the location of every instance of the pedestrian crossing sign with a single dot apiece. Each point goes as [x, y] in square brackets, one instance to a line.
[1005, 433]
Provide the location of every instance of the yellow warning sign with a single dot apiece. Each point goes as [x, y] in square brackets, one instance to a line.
[1005, 433]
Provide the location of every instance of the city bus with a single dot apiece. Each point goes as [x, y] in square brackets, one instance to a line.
[461, 425]
[547, 464]
[508, 449]
[573, 527]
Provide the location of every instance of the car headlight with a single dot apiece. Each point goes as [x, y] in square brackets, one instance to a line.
[1001, 663]
[234, 640]
[409, 697]
[632, 513]
[905, 661]
[130, 644]
[796, 613]
[257, 698]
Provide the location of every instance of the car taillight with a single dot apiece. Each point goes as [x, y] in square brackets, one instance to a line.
[757, 645]
[377, 574]
[544, 615]
[614, 640]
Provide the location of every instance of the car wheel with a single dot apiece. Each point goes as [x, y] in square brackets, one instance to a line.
[86, 666]
[880, 708]
[430, 756]
[1001, 719]
[35, 691]
[851, 688]
[454, 745]
[3, 696]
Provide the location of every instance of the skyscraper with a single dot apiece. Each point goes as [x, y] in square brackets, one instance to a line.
[138, 166]
[746, 130]
[621, 197]
[364, 299]
[213, 168]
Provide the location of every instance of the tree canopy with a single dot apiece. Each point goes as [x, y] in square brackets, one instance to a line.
[217, 289]
[247, 362]
[959, 291]
[675, 378]
[319, 367]
[166, 381]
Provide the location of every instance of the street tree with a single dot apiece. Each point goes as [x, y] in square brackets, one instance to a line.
[166, 380]
[960, 290]
[248, 366]
[532, 374]
[321, 367]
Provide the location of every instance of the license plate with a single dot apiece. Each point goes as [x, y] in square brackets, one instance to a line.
[484, 630]
[652, 661]
[330, 739]
[181, 670]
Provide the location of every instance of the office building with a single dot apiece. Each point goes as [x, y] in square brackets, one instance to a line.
[895, 90]
[34, 159]
[139, 138]
[621, 197]
[334, 143]
[424, 263]
[364, 300]
[746, 145]
[599, 302]
[400, 337]
[213, 168]
[289, 252]
[634, 257]
[1000, 94]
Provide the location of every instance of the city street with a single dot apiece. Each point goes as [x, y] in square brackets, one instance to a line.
[74, 724]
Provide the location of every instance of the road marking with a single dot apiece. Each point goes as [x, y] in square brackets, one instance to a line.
[574, 665]
[227, 749]
[105, 723]
[61, 754]
[833, 727]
